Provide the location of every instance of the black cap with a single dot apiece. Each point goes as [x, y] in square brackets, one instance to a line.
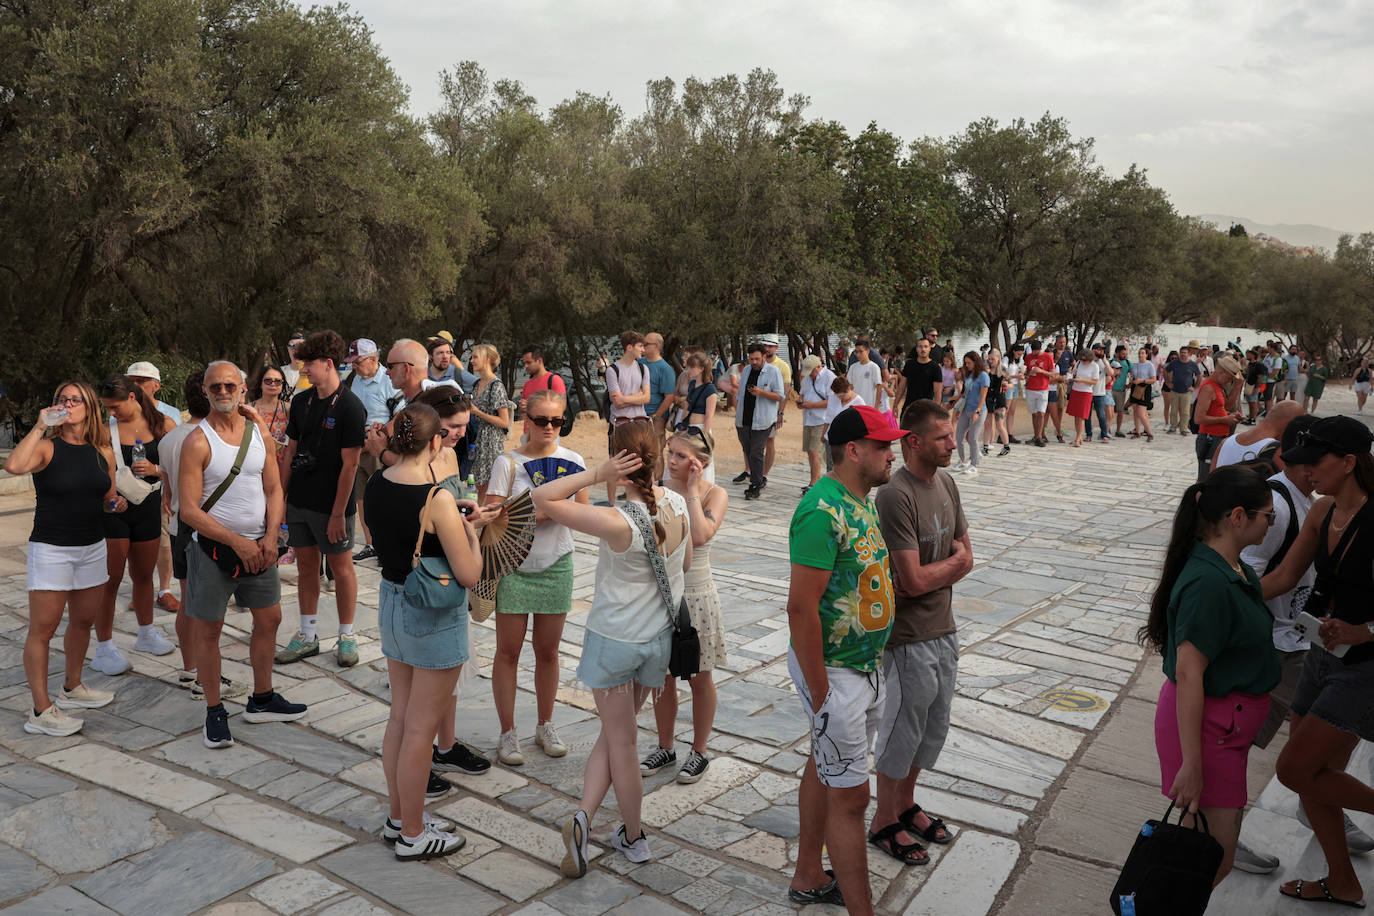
[1329, 436]
[1296, 427]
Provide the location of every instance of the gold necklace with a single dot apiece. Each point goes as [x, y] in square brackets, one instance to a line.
[1339, 528]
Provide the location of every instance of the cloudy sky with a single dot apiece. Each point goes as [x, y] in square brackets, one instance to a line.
[1263, 109]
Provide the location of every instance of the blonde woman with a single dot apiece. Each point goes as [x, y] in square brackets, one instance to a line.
[68, 453]
[490, 405]
[542, 587]
[689, 454]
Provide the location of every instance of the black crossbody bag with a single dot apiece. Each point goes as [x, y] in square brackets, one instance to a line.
[224, 556]
[685, 659]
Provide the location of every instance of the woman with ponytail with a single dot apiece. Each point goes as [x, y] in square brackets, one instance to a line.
[1332, 708]
[425, 649]
[1209, 621]
[627, 641]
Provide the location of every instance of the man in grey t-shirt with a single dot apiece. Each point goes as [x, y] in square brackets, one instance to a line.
[922, 521]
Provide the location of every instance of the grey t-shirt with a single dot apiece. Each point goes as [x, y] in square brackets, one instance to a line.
[929, 518]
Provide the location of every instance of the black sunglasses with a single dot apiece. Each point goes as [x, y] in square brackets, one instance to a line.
[226, 387]
[687, 430]
[545, 422]
[1307, 437]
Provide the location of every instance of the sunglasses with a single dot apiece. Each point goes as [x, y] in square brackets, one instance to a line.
[399, 362]
[273, 381]
[1306, 437]
[69, 401]
[696, 431]
[226, 387]
[545, 422]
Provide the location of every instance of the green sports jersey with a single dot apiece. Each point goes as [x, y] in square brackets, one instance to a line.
[832, 529]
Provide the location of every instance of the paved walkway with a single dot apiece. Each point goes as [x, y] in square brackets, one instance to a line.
[1048, 770]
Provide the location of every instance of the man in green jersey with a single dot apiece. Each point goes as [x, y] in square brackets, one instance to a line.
[839, 612]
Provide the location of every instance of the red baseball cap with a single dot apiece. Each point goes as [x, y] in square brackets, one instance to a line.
[855, 423]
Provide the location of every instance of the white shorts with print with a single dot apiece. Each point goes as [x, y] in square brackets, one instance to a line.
[842, 732]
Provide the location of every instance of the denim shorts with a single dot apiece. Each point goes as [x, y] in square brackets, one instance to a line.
[609, 662]
[433, 640]
[1337, 692]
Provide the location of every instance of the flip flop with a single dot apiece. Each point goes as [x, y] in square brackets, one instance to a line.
[1325, 898]
[931, 833]
[886, 840]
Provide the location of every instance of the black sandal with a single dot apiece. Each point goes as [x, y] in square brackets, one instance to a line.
[1327, 896]
[886, 840]
[930, 834]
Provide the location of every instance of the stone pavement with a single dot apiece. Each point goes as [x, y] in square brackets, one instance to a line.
[1047, 772]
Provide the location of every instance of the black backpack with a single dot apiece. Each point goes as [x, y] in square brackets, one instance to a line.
[1263, 462]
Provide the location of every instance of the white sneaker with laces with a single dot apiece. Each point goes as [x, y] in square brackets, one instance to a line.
[508, 749]
[83, 697]
[547, 739]
[391, 830]
[109, 661]
[971, 470]
[153, 642]
[636, 852]
[53, 721]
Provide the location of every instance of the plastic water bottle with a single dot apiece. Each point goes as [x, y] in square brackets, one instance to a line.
[140, 453]
[471, 484]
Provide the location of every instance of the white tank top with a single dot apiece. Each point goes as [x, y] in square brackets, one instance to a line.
[627, 605]
[243, 507]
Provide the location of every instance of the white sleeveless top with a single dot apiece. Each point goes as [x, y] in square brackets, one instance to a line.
[628, 606]
[243, 507]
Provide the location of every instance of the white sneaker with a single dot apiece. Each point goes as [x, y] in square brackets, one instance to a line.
[109, 661]
[960, 467]
[636, 852]
[574, 864]
[391, 830]
[547, 739]
[971, 470]
[153, 642]
[53, 721]
[430, 844]
[83, 697]
[508, 749]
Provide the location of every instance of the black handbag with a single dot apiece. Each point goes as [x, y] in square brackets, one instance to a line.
[1170, 870]
[684, 660]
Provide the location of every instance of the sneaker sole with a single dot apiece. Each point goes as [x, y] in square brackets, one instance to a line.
[574, 865]
[511, 761]
[257, 718]
[214, 745]
[50, 732]
[554, 752]
[62, 703]
[645, 771]
[347, 661]
[168, 651]
[112, 672]
[437, 854]
[689, 780]
[290, 659]
[455, 768]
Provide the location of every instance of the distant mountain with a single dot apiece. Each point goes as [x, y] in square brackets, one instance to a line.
[1302, 236]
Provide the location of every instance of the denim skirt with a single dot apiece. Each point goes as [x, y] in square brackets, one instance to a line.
[421, 639]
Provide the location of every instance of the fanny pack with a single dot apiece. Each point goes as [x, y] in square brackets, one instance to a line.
[685, 658]
[128, 484]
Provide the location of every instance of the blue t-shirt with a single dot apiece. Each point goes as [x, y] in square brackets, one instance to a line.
[972, 388]
[1182, 375]
[662, 380]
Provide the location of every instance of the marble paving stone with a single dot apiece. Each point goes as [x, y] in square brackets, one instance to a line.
[591, 895]
[761, 849]
[1082, 718]
[1120, 806]
[145, 781]
[157, 705]
[494, 782]
[1025, 731]
[706, 831]
[296, 890]
[83, 830]
[692, 863]
[418, 890]
[648, 906]
[353, 906]
[1059, 885]
[33, 782]
[961, 811]
[322, 798]
[362, 812]
[665, 805]
[257, 776]
[511, 875]
[367, 775]
[281, 833]
[741, 801]
[759, 712]
[779, 819]
[1126, 746]
[660, 878]
[191, 753]
[1051, 662]
[177, 878]
[300, 746]
[139, 738]
[19, 874]
[297, 782]
[239, 908]
[59, 900]
[510, 828]
[968, 877]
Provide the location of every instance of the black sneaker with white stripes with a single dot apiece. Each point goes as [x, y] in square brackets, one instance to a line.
[660, 758]
[431, 844]
[458, 759]
[391, 830]
[438, 786]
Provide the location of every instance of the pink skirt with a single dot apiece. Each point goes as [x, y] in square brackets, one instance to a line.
[1229, 724]
[1080, 404]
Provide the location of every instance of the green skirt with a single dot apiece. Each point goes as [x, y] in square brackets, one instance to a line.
[546, 592]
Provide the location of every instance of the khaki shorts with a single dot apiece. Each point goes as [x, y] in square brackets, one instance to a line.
[813, 438]
[368, 464]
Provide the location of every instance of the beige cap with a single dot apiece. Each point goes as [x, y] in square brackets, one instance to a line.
[144, 370]
[810, 363]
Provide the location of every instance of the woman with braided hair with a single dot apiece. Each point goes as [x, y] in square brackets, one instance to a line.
[627, 641]
[425, 649]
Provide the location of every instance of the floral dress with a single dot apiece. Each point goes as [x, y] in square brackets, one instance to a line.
[491, 439]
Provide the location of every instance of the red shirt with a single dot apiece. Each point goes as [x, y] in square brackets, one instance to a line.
[1039, 382]
[550, 380]
[1215, 409]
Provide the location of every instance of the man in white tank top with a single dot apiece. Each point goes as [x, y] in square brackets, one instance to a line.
[234, 550]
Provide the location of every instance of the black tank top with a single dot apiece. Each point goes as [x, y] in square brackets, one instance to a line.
[149, 454]
[70, 491]
[1345, 575]
[393, 516]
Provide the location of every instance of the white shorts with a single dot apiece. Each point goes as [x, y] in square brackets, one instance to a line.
[66, 569]
[1362, 387]
[842, 732]
[1037, 401]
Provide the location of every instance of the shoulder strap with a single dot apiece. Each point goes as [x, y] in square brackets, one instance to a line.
[1291, 534]
[248, 428]
[424, 520]
[640, 518]
[114, 440]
